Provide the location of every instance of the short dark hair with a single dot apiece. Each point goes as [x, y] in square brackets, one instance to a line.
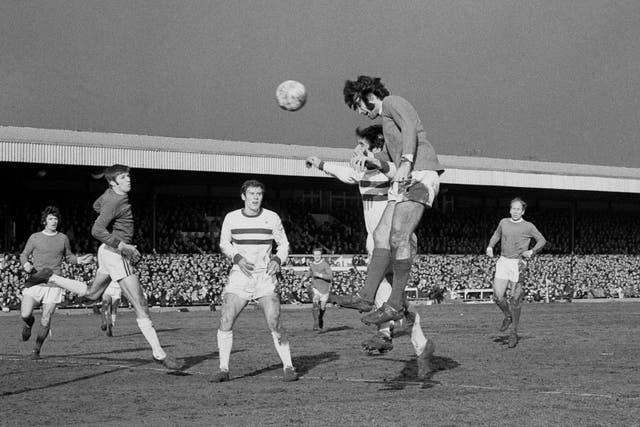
[373, 134]
[522, 202]
[111, 172]
[251, 183]
[49, 210]
[359, 89]
[316, 249]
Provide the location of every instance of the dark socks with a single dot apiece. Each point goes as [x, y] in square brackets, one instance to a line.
[380, 259]
[401, 270]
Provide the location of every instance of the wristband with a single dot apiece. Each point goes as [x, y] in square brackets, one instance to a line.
[237, 258]
[321, 165]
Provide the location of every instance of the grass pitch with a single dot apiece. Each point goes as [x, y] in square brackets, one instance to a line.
[576, 364]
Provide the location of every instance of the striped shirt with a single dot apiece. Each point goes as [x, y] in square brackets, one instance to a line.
[252, 237]
[374, 188]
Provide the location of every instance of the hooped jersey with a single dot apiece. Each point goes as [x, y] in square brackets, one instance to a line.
[252, 237]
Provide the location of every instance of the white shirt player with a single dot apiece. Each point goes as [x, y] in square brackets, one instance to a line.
[374, 188]
[252, 237]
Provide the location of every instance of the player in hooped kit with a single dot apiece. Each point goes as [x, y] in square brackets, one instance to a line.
[415, 186]
[373, 178]
[514, 235]
[48, 248]
[321, 275]
[246, 238]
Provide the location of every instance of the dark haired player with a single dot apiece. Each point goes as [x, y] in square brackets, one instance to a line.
[372, 175]
[321, 275]
[415, 186]
[514, 235]
[246, 238]
[48, 248]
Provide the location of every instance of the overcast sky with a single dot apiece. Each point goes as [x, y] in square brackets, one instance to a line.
[554, 80]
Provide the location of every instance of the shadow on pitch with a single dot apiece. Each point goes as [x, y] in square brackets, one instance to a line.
[335, 329]
[116, 335]
[303, 364]
[191, 361]
[409, 373]
[504, 339]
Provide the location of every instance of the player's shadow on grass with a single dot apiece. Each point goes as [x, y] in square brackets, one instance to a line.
[504, 339]
[409, 373]
[116, 335]
[191, 361]
[303, 364]
[335, 329]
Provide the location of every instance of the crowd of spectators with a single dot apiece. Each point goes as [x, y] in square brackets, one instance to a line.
[188, 279]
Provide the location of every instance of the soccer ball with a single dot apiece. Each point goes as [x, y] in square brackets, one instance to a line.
[291, 95]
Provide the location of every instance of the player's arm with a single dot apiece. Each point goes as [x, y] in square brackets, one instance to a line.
[282, 251]
[495, 238]
[328, 272]
[404, 116]
[68, 255]
[385, 166]
[540, 242]
[100, 231]
[343, 173]
[26, 252]
[229, 249]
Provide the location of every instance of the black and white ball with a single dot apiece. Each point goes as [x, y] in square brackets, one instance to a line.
[291, 95]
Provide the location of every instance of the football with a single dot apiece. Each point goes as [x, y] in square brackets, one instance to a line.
[291, 95]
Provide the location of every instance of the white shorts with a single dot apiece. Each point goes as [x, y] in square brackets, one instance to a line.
[423, 187]
[44, 293]
[319, 297]
[110, 262]
[259, 285]
[113, 291]
[509, 268]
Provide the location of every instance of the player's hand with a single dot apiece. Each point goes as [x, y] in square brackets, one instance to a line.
[273, 267]
[527, 254]
[246, 267]
[128, 251]
[312, 161]
[403, 172]
[28, 267]
[85, 259]
[490, 252]
[359, 162]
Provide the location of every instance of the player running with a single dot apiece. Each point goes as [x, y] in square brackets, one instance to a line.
[321, 275]
[246, 238]
[514, 235]
[48, 248]
[373, 178]
[109, 307]
[415, 186]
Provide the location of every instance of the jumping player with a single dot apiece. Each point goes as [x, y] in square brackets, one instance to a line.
[415, 186]
[321, 275]
[372, 176]
[48, 248]
[246, 238]
[514, 235]
[114, 228]
[109, 307]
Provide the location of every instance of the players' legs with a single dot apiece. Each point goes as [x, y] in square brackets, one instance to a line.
[382, 296]
[499, 290]
[74, 286]
[315, 310]
[270, 305]
[98, 286]
[26, 314]
[45, 322]
[323, 309]
[105, 311]
[115, 303]
[406, 217]
[515, 303]
[132, 289]
[232, 305]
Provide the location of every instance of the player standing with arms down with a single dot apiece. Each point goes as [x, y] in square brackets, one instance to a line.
[372, 176]
[415, 186]
[514, 235]
[246, 238]
[321, 275]
[114, 228]
[48, 248]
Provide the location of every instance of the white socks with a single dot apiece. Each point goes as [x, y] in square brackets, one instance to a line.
[225, 342]
[77, 287]
[146, 327]
[282, 347]
[418, 339]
